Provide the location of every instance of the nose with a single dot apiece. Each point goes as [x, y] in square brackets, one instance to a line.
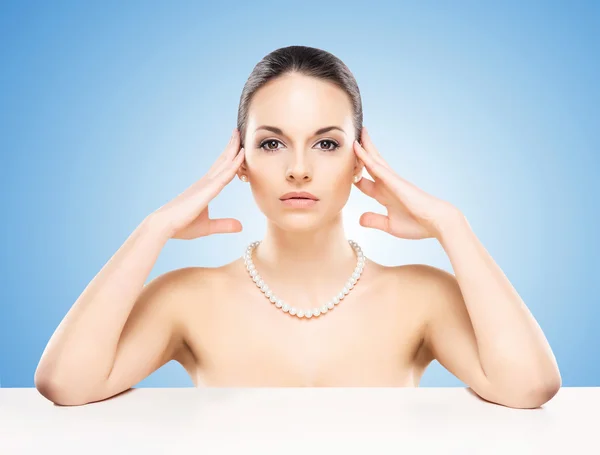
[299, 171]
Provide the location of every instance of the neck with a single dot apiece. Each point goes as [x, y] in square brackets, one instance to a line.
[307, 258]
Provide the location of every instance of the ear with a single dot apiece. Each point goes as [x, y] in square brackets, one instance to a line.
[358, 168]
[359, 165]
[243, 169]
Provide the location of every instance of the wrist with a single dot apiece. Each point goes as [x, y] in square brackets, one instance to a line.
[451, 221]
[156, 225]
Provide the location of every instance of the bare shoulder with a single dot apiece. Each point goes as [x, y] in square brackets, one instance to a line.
[426, 278]
[189, 288]
[433, 294]
[422, 278]
[180, 295]
[436, 289]
[171, 294]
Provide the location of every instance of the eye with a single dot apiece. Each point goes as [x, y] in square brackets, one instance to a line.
[330, 146]
[329, 141]
[269, 141]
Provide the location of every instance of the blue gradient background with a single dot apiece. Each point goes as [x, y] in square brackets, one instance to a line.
[109, 110]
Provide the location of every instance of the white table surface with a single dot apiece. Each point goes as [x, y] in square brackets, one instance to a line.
[299, 420]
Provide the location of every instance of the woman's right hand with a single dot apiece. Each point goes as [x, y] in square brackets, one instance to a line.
[186, 216]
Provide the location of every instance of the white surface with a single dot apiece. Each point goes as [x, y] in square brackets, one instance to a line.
[298, 420]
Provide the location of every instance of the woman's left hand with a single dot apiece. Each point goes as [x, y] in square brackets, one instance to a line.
[412, 213]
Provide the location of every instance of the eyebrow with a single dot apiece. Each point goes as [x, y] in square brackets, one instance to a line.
[276, 130]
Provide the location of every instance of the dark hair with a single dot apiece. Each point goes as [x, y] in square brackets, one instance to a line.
[304, 60]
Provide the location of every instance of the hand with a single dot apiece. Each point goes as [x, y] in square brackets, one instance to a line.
[186, 216]
[412, 213]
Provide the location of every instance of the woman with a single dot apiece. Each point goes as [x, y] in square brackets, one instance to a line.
[304, 306]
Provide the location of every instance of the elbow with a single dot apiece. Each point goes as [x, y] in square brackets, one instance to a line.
[545, 390]
[534, 394]
[56, 392]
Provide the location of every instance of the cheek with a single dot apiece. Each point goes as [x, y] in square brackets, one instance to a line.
[264, 169]
[336, 183]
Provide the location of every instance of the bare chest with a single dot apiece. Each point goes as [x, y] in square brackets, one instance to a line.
[371, 338]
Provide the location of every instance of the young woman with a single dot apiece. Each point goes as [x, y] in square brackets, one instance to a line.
[304, 306]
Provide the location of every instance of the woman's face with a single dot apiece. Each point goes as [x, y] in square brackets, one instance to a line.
[286, 151]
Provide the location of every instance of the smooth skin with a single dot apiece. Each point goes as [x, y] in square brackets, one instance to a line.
[217, 324]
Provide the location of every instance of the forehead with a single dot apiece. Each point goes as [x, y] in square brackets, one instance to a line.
[298, 104]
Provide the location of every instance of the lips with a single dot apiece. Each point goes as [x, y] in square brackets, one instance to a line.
[299, 196]
[299, 203]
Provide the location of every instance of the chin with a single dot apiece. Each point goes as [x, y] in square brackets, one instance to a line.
[301, 220]
[298, 222]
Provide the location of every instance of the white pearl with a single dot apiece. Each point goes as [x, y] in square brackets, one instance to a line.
[317, 311]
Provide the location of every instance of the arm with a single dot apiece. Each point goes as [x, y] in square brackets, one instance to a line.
[481, 330]
[102, 347]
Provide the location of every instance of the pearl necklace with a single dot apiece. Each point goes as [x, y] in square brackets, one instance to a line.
[285, 307]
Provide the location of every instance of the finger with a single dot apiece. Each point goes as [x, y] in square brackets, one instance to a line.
[224, 225]
[367, 186]
[229, 153]
[234, 145]
[375, 168]
[398, 185]
[368, 143]
[375, 221]
[212, 184]
[228, 170]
